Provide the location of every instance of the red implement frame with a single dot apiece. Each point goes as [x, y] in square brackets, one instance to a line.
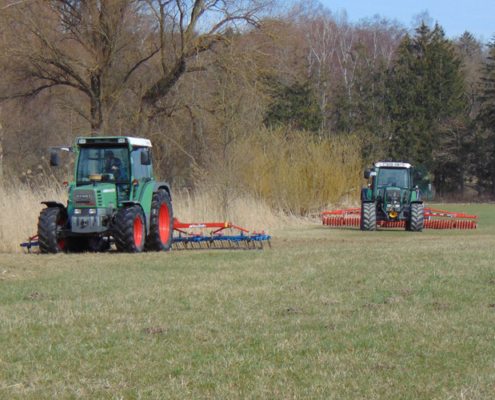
[179, 226]
[443, 219]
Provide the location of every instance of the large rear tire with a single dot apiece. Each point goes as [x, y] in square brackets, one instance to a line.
[129, 229]
[368, 217]
[161, 223]
[51, 221]
[417, 217]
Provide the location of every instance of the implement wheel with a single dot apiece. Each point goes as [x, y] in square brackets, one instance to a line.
[417, 216]
[129, 229]
[51, 221]
[368, 217]
[161, 223]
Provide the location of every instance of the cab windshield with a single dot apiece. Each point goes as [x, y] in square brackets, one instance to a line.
[112, 164]
[393, 177]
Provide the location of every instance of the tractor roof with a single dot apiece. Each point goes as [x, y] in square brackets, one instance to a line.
[113, 140]
[387, 164]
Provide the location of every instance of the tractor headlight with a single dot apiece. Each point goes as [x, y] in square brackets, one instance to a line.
[397, 207]
[389, 207]
[77, 211]
[92, 211]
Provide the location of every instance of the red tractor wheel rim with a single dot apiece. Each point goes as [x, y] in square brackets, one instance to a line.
[138, 232]
[164, 223]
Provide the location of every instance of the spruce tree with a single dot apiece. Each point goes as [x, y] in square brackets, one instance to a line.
[425, 87]
[296, 107]
[485, 166]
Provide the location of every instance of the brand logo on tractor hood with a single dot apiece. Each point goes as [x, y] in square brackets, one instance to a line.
[83, 196]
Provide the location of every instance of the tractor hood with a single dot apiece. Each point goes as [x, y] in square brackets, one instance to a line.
[91, 196]
[91, 207]
[393, 202]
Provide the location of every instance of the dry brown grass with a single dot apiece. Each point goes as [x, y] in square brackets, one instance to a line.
[245, 211]
[21, 206]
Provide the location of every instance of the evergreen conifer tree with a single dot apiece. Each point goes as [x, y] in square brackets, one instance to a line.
[425, 87]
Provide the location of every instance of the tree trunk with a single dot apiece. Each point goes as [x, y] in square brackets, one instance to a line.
[96, 107]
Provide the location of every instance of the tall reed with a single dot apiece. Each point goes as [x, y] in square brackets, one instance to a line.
[21, 206]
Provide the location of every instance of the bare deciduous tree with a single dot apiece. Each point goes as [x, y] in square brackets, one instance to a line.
[188, 29]
[90, 47]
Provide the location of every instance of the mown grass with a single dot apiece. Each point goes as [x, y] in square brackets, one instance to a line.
[326, 313]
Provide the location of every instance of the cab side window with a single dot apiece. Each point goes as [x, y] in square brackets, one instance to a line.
[141, 172]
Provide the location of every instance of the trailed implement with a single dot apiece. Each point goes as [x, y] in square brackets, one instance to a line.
[432, 219]
[217, 238]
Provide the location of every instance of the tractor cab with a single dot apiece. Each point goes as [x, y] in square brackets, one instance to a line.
[393, 185]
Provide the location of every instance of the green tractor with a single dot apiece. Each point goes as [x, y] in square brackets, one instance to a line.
[114, 198]
[392, 196]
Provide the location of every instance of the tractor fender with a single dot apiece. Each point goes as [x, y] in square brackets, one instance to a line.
[54, 204]
[163, 186]
[365, 194]
[146, 197]
[151, 188]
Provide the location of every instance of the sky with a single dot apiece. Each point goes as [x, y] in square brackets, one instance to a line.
[455, 16]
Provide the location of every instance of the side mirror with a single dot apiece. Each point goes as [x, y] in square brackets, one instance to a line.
[54, 159]
[145, 158]
[418, 175]
[368, 173]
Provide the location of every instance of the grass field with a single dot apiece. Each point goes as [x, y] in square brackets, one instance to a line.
[326, 313]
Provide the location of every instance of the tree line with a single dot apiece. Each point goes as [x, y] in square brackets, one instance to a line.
[207, 79]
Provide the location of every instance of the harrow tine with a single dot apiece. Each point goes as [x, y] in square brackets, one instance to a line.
[217, 238]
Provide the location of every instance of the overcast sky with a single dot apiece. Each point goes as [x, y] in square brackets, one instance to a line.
[455, 16]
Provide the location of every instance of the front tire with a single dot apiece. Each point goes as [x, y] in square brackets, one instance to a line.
[51, 221]
[417, 217]
[129, 229]
[368, 217]
[161, 223]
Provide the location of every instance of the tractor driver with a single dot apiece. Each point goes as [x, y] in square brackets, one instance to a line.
[113, 165]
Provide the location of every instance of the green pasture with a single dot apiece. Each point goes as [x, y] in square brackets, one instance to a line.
[330, 313]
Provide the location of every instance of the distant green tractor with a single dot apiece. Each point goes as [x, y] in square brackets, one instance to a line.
[392, 196]
[114, 198]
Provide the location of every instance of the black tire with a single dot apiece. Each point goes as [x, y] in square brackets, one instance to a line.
[417, 217]
[161, 223]
[129, 229]
[368, 217]
[50, 222]
[362, 216]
